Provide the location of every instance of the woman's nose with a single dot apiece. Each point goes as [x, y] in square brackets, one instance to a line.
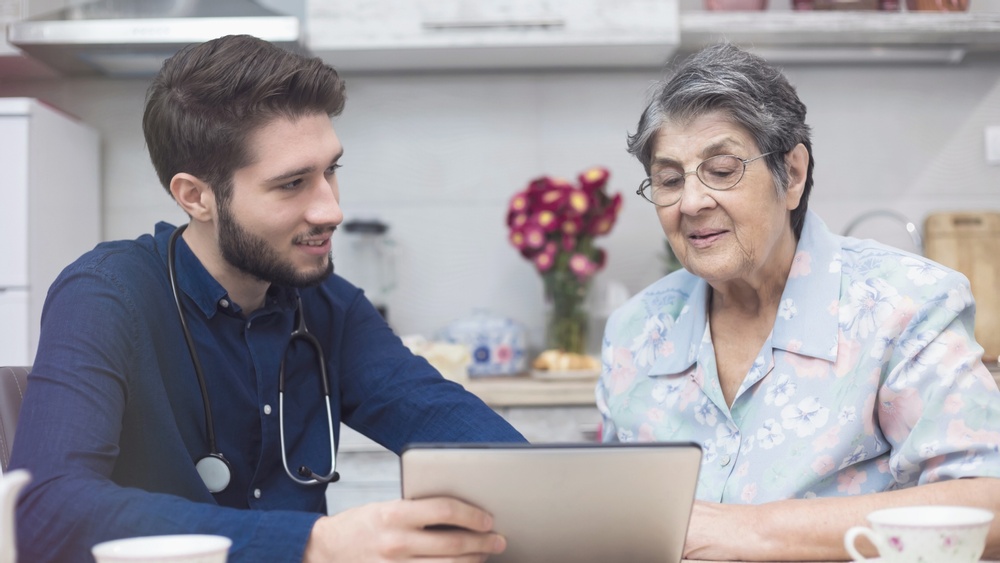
[695, 196]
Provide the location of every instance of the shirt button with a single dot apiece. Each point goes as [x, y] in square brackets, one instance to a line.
[724, 460]
[267, 409]
[224, 303]
[256, 493]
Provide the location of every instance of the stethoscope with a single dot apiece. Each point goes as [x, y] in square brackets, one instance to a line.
[213, 467]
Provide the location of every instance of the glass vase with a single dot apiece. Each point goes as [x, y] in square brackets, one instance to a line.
[567, 316]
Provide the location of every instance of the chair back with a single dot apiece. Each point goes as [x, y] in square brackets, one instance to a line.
[13, 382]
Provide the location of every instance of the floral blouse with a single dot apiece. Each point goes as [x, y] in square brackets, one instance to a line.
[870, 380]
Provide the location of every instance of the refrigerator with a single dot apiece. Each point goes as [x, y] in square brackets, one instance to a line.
[50, 212]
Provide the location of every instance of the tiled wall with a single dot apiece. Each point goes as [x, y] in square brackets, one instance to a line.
[437, 156]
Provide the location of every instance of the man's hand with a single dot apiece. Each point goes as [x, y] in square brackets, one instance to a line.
[397, 531]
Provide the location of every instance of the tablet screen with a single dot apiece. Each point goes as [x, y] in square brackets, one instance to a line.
[568, 502]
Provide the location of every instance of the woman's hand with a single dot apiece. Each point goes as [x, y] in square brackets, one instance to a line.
[813, 529]
[398, 531]
[723, 532]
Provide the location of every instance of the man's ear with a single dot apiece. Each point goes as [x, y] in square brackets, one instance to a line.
[797, 161]
[194, 196]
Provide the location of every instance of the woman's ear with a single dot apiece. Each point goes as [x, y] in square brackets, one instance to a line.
[194, 196]
[797, 162]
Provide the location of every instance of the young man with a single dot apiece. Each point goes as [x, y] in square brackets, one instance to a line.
[194, 380]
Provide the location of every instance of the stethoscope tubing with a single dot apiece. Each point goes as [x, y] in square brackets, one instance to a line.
[213, 468]
[302, 333]
[172, 273]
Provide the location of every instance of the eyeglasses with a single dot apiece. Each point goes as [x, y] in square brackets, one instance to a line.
[719, 173]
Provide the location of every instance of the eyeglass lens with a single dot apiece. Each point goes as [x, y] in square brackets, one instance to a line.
[718, 172]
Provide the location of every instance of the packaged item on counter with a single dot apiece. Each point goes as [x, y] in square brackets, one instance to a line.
[452, 360]
[937, 5]
[497, 344]
[838, 5]
[735, 5]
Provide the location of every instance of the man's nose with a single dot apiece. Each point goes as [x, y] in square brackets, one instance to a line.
[324, 209]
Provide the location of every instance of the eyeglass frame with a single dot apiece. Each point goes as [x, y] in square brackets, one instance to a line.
[648, 181]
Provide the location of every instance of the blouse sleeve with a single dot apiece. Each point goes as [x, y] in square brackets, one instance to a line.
[938, 405]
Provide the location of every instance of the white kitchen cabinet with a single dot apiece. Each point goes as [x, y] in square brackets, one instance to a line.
[51, 212]
[405, 34]
[14, 63]
[491, 34]
[839, 36]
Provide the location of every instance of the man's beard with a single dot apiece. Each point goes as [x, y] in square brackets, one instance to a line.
[252, 255]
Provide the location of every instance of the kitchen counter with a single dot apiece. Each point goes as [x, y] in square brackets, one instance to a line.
[524, 391]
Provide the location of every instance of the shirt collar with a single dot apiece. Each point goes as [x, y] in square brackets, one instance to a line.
[807, 321]
[686, 343]
[207, 293]
[808, 317]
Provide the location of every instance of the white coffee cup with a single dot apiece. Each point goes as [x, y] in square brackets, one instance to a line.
[917, 534]
[185, 548]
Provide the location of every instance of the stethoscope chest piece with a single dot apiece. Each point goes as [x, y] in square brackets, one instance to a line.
[215, 472]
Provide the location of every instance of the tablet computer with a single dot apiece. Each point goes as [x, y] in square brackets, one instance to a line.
[586, 503]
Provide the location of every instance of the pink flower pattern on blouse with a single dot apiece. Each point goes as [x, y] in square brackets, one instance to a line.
[870, 380]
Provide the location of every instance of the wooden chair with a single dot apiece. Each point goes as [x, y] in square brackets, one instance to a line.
[13, 382]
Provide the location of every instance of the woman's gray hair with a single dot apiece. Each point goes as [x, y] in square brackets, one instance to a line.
[753, 93]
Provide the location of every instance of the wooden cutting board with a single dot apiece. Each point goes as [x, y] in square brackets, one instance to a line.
[970, 243]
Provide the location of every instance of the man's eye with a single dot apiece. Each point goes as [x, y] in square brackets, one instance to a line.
[292, 185]
[333, 169]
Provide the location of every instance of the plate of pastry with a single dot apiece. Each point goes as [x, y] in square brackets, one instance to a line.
[560, 365]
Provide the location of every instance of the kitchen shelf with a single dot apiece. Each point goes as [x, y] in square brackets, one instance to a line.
[842, 36]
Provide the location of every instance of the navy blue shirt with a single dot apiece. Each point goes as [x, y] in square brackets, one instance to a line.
[113, 421]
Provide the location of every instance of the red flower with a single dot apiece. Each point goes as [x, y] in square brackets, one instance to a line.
[517, 221]
[540, 184]
[519, 203]
[553, 222]
[534, 236]
[582, 266]
[602, 224]
[547, 220]
[579, 202]
[594, 179]
[517, 239]
[545, 259]
[571, 226]
[552, 199]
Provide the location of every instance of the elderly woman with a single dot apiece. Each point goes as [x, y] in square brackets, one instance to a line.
[824, 377]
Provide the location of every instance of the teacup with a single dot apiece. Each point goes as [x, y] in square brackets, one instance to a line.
[924, 534]
[185, 548]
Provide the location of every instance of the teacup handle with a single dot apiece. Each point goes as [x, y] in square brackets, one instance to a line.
[852, 535]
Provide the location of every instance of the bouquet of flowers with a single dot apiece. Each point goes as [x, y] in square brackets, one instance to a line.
[553, 224]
